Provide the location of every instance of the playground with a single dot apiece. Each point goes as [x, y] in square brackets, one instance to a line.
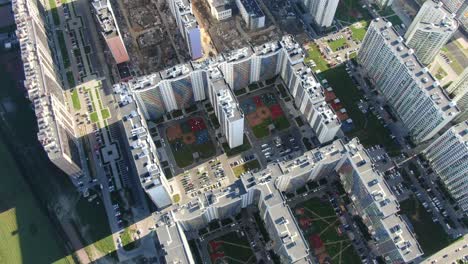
[324, 232]
[189, 139]
[264, 112]
[231, 248]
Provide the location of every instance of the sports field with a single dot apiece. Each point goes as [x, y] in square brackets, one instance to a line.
[322, 229]
[231, 248]
[261, 112]
[187, 138]
[27, 235]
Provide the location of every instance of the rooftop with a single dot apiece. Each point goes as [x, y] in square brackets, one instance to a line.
[105, 18]
[251, 6]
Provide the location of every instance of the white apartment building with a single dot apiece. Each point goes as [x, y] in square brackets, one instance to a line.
[322, 11]
[188, 26]
[226, 109]
[459, 90]
[448, 156]
[430, 30]
[251, 13]
[220, 9]
[409, 88]
[142, 149]
[55, 123]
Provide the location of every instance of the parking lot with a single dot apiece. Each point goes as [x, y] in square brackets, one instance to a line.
[284, 147]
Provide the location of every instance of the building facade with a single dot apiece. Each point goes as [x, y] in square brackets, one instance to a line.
[110, 30]
[44, 88]
[371, 196]
[322, 11]
[409, 88]
[448, 156]
[430, 30]
[188, 26]
[220, 9]
[180, 86]
[251, 13]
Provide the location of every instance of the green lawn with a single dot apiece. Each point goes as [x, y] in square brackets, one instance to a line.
[431, 236]
[358, 30]
[238, 170]
[63, 48]
[70, 79]
[26, 233]
[237, 150]
[75, 100]
[440, 74]
[94, 117]
[92, 217]
[184, 155]
[313, 54]
[367, 127]
[105, 113]
[351, 11]
[456, 66]
[127, 239]
[335, 44]
[235, 247]
[53, 9]
[281, 123]
[261, 130]
[325, 224]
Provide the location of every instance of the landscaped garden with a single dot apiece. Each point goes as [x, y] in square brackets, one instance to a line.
[190, 138]
[430, 235]
[231, 248]
[322, 229]
[248, 166]
[263, 114]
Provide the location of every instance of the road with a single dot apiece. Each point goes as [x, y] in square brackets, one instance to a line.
[100, 63]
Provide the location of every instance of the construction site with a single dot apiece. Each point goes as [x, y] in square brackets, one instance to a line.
[154, 42]
[151, 35]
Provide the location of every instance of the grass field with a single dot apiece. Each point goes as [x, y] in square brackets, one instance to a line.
[335, 44]
[70, 79]
[324, 224]
[238, 170]
[184, 155]
[94, 117]
[367, 127]
[313, 54]
[235, 249]
[93, 218]
[63, 48]
[53, 9]
[75, 100]
[431, 236]
[105, 113]
[358, 30]
[26, 233]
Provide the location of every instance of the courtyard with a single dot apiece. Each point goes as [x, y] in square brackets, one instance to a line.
[264, 114]
[326, 236]
[231, 248]
[189, 141]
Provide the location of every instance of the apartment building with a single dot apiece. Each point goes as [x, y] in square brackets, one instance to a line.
[322, 11]
[409, 88]
[188, 26]
[430, 30]
[44, 88]
[251, 13]
[110, 30]
[448, 157]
